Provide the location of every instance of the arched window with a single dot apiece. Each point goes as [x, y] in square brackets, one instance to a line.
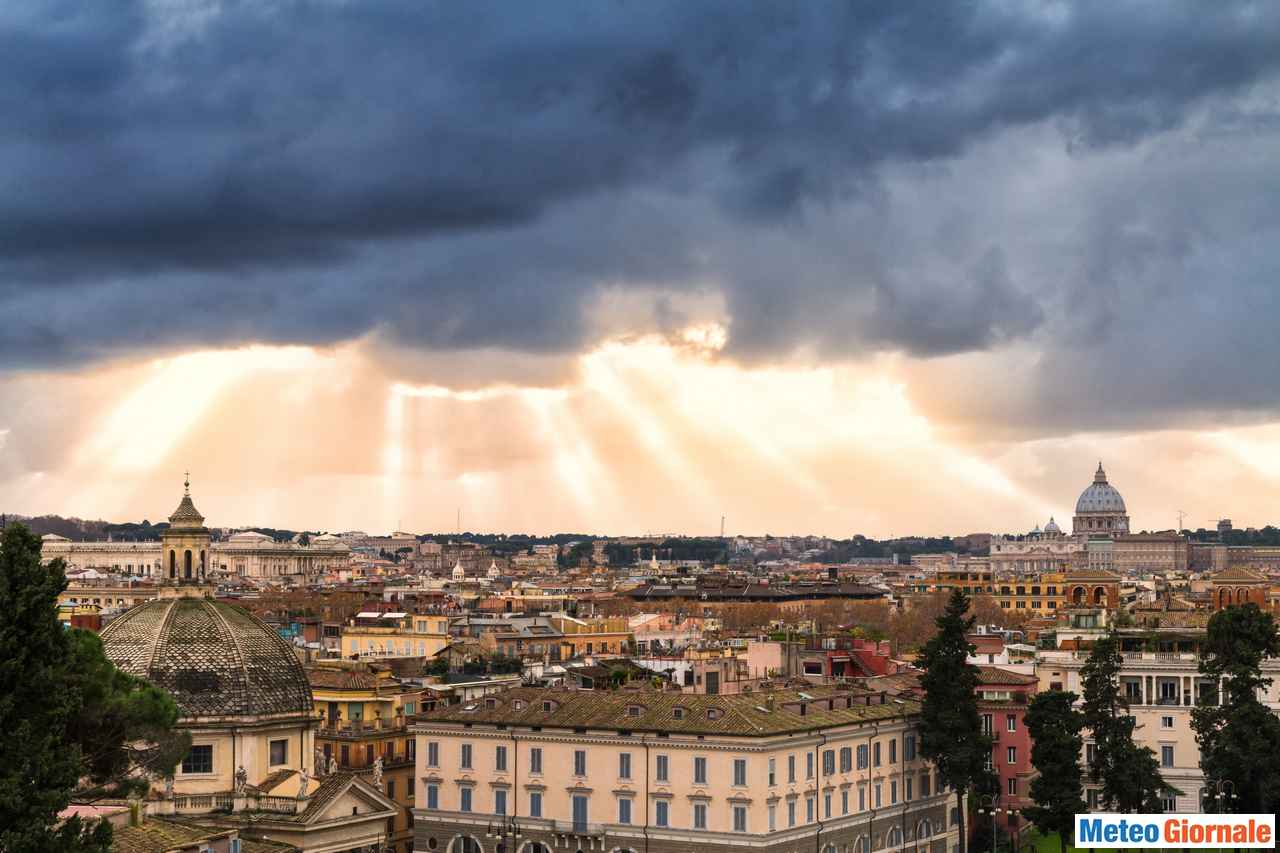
[830, 848]
[895, 837]
[1099, 595]
[465, 844]
[860, 845]
[1077, 595]
[924, 829]
[173, 563]
[186, 564]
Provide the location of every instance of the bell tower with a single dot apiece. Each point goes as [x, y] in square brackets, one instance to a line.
[185, 545]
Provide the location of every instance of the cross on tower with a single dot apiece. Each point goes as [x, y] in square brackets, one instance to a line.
[186, 483]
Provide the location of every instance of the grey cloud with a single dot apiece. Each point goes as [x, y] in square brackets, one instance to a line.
[467, 176]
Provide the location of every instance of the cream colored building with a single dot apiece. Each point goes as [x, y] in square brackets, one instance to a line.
[532, 770]
[246, 554]
[372, 635]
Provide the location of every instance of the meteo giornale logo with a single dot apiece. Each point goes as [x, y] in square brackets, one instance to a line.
[1192, 831]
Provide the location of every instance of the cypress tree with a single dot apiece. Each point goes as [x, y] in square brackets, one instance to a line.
[950, 726]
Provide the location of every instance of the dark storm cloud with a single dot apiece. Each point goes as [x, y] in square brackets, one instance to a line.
[467, 175]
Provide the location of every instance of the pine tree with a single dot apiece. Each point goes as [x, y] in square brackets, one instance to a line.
[1239, 737]
[67, 715]
[1054, 726]
[950, 726]
[1129, 773]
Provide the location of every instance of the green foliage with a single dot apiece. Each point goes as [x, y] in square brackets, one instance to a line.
[1129, 773]
[950, 726]
[438, 667]
[66, 714]
[1240, 738]
[1054, 725]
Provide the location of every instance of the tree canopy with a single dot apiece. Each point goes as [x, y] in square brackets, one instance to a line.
[1239, 737]
[1129, 773]
[70, 722]
[1054, 726]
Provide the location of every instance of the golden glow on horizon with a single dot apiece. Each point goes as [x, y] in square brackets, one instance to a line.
[650, 434]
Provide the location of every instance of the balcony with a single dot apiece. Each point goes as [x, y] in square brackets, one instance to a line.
[360, 728]
[573, 827]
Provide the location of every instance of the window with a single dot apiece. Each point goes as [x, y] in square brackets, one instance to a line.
[699, 815]
[535, 760]
[391, 788]
[661, 809]
[846, 759]
[624, 765]
[579, 813]
[199, 759]
[924, 784]
[1166, 722]
[773, 767]
[791, 768]
[893, 792]
[810, 810]
[739, 818]
[500, 801]
[500, 758]
[1092, 799]
[466, 756]
[773, 817]
[1166, 756]
[662, 768]
[579, 762]
[879, 790]
[907, 792]
[875, 754]
[433, 754]
[624, 810]
[986, 724]
[893, 751]
[791, 812]
[1013, 787]
[909, 748]
[740, 772]
[1090, 753]
[862, 798]
[862, 757]
[826, 806]
[828, 762]
[1011, 722]
[1012, 755]
[465, 800]
[1168, 802]
[699, 770]
[433, 796]
[535, 804]
[279, 752]
[808, 765]
[235, 846]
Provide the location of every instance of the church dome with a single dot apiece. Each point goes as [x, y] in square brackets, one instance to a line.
[214, 659]
[1101, 496]
[1052, 527]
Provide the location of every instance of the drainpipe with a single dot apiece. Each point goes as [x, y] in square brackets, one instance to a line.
[817, 789]
[644, 740]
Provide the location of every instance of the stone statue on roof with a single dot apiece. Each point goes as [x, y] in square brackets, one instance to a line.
[242, 780]
[319, 761]
[377, 773]
[333, 765]
[304, 779]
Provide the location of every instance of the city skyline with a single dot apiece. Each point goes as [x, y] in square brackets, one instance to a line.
[627, 271]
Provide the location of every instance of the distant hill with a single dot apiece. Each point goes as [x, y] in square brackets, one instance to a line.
[83, 530]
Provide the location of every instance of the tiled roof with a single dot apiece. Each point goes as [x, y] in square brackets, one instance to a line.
[998, 675]
[1238, 573]
[341, 679]
[745, 714]
[1092, 575]
[213, 658]
[157, 835]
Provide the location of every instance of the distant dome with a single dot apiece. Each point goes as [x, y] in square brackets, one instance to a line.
[1052, 526]
[1035, 531]
[249, 536]
[214, 659]
[1101, 496]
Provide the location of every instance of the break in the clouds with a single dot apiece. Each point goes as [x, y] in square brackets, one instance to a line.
[1052, 191]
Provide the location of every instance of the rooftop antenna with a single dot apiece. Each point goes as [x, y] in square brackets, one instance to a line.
[1181, 515]
[459, 522]
[722, 527]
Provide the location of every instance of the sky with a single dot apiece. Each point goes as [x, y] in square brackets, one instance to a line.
[629, 267]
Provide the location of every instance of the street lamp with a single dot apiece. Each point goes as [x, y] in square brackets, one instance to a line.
[987, 805]
[1225, 797]
[505, 827]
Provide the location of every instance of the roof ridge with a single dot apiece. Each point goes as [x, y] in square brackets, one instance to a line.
[160, 635]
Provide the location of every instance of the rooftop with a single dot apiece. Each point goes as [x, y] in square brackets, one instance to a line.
[747, 714]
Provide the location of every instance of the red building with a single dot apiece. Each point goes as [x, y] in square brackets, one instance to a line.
[1003, 696]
